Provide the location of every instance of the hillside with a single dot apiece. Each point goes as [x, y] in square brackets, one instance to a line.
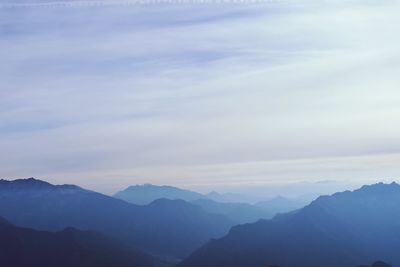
[25, 247]
[342, 230]
[167, 228]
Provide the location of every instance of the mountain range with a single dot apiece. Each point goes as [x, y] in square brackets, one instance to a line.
[168, 228]
[45, 223]
[238, 212]
[280, 204]
[147, 193]
[342, 230]
[213, 202]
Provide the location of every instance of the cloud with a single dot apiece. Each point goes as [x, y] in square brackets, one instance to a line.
[165, 92]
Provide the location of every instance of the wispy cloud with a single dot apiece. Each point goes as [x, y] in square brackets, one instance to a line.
[159, 92]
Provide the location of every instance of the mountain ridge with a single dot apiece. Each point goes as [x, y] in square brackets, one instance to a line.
[25, 247]
[213, 202]
[147, 193]
[44, 206]
[347, 228]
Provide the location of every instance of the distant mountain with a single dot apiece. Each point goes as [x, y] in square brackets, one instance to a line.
[234, 210]
[147, 193]
[237, 212]
[165, 227]
[342, 230]
[280, 205]
[25, 247]
[226, 197]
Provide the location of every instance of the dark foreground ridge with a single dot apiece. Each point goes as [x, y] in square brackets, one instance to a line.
[25, 247]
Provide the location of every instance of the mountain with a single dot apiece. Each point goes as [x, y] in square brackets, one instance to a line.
[280, 205]
[174, 223]
[237, 212]
[165, 227]
[25, 247]
[147, 193]
[226, 197]
[341, 230]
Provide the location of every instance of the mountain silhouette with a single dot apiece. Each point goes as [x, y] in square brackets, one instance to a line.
[237, 212]
[165, 227]
[342, 230]
[23, 247]
[227, 197]
[147, 193]
[280, 205]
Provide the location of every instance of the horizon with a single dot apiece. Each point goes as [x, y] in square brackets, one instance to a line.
[246, 196]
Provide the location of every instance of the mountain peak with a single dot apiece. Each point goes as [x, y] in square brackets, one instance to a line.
[147, 193]
[25, 183]
[151, 187]
[34, 184]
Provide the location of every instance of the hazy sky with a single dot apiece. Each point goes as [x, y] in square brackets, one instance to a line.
[202, 96]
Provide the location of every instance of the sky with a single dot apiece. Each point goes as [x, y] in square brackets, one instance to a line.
[206, 96]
